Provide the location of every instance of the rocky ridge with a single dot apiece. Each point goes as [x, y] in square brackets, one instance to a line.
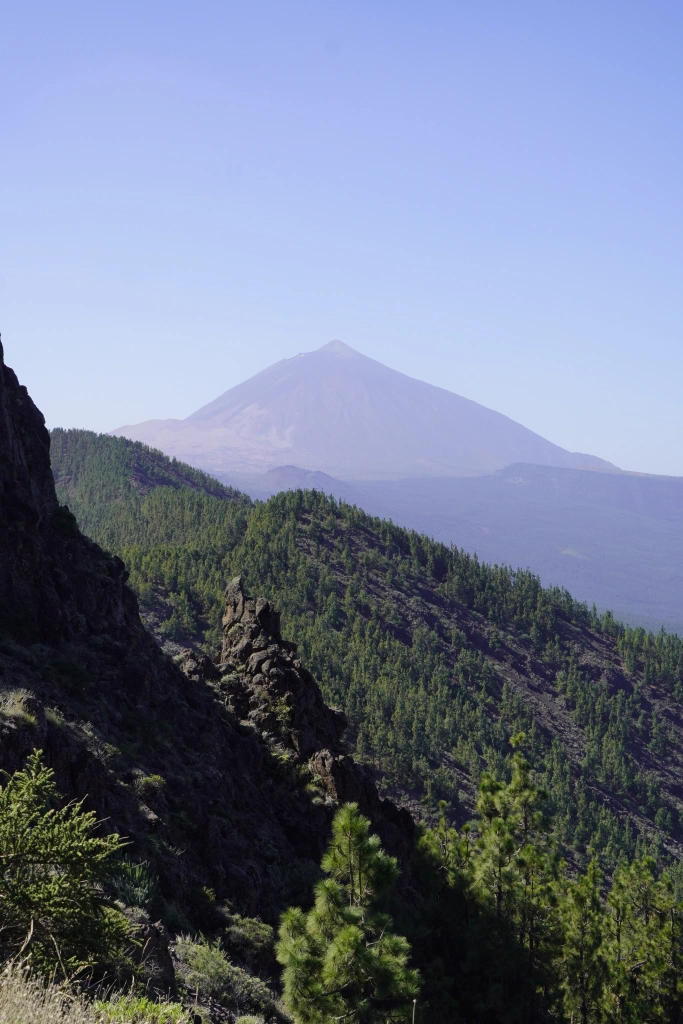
[268, 689]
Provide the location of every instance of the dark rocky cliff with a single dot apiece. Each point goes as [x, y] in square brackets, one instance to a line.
[224, 775]
[55, 585]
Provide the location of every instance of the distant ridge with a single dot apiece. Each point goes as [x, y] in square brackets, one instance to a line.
[613, 539]
[339, 412]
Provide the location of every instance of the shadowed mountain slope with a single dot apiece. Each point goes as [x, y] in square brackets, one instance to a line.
[339, 412]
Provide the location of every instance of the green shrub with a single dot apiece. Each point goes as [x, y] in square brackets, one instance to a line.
[206, 970]
[132, 1009]
[174, 918]
[53, 910]
[248, 939]
[135, 884]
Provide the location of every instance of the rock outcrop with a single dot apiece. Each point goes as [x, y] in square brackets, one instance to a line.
[274, 697]
[267, 683]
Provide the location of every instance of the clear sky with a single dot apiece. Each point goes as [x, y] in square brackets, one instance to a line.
[485, 195]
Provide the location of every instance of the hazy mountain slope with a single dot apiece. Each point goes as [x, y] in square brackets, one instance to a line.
[336, 411]
[613, 539]
[291, 478]
[437, 659]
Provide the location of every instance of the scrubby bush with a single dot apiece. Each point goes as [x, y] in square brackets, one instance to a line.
[206, 970]
[248, 940]
[132, 1009]
[53, 909]
[135, 884]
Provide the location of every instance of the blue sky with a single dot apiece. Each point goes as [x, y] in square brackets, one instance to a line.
[483, 195]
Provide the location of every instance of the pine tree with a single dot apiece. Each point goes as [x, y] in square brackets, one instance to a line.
[342, 961]
[52, 907]
[516, 870]
[644, 947]
[584, 968]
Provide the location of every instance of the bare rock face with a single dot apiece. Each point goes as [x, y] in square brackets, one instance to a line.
[42, 550]
[269, 689]
[267, 684]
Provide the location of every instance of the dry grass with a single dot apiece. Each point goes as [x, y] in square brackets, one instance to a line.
[26, 1000]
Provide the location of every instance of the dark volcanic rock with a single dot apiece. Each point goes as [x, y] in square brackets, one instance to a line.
[42, 553]
[152, 955]
[268, 685]
[270, 689]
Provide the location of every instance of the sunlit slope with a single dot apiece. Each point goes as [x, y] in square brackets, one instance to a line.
[613, 539]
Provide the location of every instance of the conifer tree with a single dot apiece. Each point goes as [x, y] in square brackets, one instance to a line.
[53, 910]
[516, 870]
[342, 961]
[584, 968]
[644, 946]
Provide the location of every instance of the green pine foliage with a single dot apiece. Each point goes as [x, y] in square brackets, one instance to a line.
[507, 934]
[584, 961]
[53, 910]
[105, 481]
[411, 638]
[342, 960]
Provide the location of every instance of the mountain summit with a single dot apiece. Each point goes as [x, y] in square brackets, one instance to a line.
[337, 411]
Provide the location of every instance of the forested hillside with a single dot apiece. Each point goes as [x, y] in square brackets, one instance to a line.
[436, 659]
[101, 474]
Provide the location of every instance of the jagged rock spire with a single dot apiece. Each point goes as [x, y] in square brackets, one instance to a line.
[237, 607]
[269, 686]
